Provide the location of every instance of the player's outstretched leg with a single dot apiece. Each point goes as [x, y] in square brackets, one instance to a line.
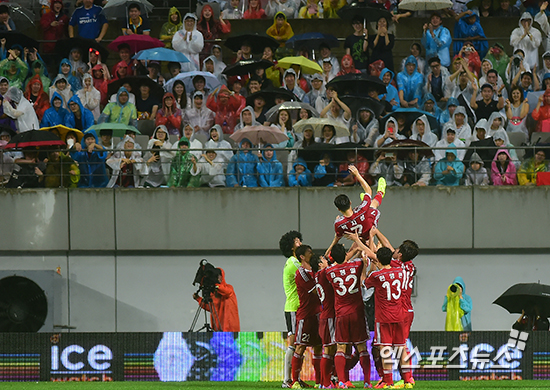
[380, 192]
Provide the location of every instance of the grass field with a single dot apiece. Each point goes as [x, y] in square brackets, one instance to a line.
[478, 385]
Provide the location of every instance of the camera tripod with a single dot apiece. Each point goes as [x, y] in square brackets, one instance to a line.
[215, 319]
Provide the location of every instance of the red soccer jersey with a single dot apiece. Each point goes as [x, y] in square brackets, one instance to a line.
[326, 293]
[387, 282]
[309, 301]
[346, 281]
[358, 222]
[406, 288]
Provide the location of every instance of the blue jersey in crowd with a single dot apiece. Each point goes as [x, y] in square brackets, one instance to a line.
[89, 21]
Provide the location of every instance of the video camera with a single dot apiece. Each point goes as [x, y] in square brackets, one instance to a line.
[206, 277]
[454, 288]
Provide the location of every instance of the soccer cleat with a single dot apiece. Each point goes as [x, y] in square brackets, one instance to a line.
[399, 385]
[367, 385]
[383, 385]
[287, 384]
[409, 385]
[362, 196]
[304, 384]
[350, 385]
[381, 186]
[296, 385]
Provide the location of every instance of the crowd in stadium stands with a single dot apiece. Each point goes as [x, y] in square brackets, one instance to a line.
[454, 92]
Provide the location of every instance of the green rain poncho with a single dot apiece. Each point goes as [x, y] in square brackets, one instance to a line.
[182, 172]
[454, 312]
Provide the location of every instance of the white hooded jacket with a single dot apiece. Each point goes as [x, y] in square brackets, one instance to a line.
[189, 43]
[529, 43]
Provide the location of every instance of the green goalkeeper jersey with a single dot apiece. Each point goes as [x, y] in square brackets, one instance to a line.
[289, 284]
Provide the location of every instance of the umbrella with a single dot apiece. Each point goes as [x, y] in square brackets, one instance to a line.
[256, 41]
[63, 47]
[307, 66]
[18, 13]
[63, 130]
[212, 81]
[355, 103]
[215, 9]
[318, 124]
[405, 146]
[270, 95]
[161, 54]
[313, 153]
[34, 138]
[411, 114]
[136, 42]
[484, 152]
[117, 8]
[260, 135]
[425, 5]
[526, 296]
[340, 151]
[312, 41]
[370, 13]
[271, 115]
[357, 84]
[16, 38]
[119, 129]
[244, 67]
[135, 82]
[8, 129]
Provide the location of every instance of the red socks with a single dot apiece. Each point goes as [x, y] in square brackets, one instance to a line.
[364, 358]
[378, 197]
[340, 365]
[388, 377]
[317, 368]
[297, 361]
[327, 366]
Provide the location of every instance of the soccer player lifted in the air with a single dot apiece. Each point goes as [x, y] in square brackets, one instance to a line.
[362, 218]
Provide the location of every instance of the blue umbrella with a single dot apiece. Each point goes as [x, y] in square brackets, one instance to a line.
[161, 54]
[211, 81]
[312, 41]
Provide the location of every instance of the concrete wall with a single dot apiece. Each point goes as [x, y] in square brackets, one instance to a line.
[126, 258]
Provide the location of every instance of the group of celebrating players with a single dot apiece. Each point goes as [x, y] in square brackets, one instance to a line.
[325, 299]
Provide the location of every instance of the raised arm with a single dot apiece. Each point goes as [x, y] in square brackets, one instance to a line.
[353, 169]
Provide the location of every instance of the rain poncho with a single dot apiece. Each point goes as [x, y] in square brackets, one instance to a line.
[428, 137]
[189, 43]
[46, 82]
[159, 171]
[527, 172]
[503, 175]
[490, 130]
[76, 65]
[464, 304]
[299, 92]
[53, 33]
[55, 116]
[171, 122]
[542, 114]
[443, 143]
[463, 29]
[226, 113]
[211, 30]
[92, 165]
[227, 308]
[481, 124]
[388, 140]
[21, 110]
[90, 99]
[86, 117]
[453, 320]
[529, 43]
[289, 8]
[270, 172]
[452, 178]
[446, 83]
[500, 64]
[438, 46]
[349, 69]
[182, 171]
[436, 110]
[139, 167]
[202, 118]
[366, 132]
[41, 103]
[74, 82]
[410, 84]
[17, 79]
[241, 169]
[391, 91]
[212, 174]
[445, 115]
[66, 93]
[282, 34]
[465, 131]
[220, 144]
[58, 173]
[241, 124]
[118, 113]
[303, 179]
[479, 177]
[170, 28]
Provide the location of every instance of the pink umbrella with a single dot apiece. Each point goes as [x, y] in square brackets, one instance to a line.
[136, 42]
[260, 135]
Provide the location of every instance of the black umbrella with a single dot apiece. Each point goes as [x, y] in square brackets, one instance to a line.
[371, 13]
[16, 38]
[244, 67]
[312, 41]
[257, 42]
[63, 48]
[136, 82]
[269, 96]
[355, 103]
[357, 84]
[313, 153]
[34, 138]
[526, 296]
[8, 129]
[340, 151]
[404, 146]
[485, 148]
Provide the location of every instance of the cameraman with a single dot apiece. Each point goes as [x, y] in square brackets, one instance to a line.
[458, 290]
[224, 301]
